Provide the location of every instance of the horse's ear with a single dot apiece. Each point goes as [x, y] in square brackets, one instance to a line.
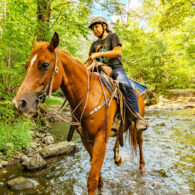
[54, 42]
[35, 42]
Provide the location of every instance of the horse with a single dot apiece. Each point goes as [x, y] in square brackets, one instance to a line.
[50, 68]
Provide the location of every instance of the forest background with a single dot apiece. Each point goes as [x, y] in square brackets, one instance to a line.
[158, 43]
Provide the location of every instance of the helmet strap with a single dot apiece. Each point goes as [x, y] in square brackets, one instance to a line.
[102, 31]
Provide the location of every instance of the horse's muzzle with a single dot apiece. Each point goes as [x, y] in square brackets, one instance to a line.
[26, 104]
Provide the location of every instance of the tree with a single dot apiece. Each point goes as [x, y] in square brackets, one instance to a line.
[43, 19]
[22, 21]
[157, 51]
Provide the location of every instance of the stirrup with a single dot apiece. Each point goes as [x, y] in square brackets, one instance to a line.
[139, 117]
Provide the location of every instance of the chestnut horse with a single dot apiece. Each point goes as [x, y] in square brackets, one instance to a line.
[49, 66]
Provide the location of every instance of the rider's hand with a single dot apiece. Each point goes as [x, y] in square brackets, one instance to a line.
[94, 56]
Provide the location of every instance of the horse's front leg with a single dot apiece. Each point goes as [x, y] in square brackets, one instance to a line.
[117, 158]
[98, 154]
[89, 148]
[140, 143]
[88, 145]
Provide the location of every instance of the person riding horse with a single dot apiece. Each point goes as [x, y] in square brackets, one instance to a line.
[50, 68]
[107, 49]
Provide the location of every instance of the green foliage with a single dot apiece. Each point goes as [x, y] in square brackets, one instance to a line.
[158, 38]
[54, 101]
[15, 136]
[14, 130]
[175, 12]
[155, 51]
[16, 35]
[6, 111]
[71, 21]
[113, 7]
[19, 27]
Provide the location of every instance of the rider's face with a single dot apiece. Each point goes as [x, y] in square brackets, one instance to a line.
[97, 29]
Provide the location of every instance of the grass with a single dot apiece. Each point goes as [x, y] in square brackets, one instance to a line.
[16, 136]
[54, 101]
[15, 130]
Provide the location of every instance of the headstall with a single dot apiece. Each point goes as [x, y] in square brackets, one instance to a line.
[48, 88]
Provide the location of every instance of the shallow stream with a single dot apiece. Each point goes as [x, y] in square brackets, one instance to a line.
[169, 151]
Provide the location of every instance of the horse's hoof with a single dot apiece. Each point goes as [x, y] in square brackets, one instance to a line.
[142, 169]
[100, 183]
[119, 162]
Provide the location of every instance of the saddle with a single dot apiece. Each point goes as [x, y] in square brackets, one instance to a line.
[106, 72]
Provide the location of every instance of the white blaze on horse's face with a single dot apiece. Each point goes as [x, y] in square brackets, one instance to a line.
[31, 64]
[33, 60]
[24, 86]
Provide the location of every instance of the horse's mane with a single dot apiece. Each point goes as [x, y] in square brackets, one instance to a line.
[75, 59]
[39, 46]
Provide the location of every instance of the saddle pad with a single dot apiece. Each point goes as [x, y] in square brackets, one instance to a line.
[141, 88]
[137, 87]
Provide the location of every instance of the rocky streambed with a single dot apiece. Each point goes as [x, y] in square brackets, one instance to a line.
[168, 150]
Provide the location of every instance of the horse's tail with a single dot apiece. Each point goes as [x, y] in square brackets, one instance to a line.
[132, 136]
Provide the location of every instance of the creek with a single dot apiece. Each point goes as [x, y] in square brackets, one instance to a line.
[169, 155]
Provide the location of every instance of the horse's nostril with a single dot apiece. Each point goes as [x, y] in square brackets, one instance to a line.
[22, 103]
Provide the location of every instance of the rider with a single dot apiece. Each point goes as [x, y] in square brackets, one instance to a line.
[107, 49]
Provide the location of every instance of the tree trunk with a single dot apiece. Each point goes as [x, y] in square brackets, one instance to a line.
[43, 19]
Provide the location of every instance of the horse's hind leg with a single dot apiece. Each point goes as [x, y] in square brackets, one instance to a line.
[117, 158]
[140, 143]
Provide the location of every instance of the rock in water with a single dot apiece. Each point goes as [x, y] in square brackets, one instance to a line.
[58, 149]
[4, 163]
[161, 124]
[21, 183]
[49, 139]
[34, 162]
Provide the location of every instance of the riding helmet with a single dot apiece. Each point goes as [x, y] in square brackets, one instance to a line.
[98, 20]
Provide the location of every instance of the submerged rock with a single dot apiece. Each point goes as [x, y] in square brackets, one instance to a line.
[34, 162]
[21, 183]
[58, 149]
[162, 172]
[49, 139]
[4, 163]
[161, 124]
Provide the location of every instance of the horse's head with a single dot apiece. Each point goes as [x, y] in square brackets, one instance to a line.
[43, 73]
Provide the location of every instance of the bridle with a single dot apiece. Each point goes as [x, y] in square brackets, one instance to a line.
[48, 88]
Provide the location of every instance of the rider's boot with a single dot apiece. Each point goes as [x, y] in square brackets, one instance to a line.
[132, 102]
[140, 123]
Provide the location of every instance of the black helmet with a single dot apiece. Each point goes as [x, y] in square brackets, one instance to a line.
[97, 20]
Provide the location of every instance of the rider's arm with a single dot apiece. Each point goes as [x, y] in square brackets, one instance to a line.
[116, 52]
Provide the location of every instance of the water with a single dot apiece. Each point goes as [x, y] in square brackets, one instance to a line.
[168, 151]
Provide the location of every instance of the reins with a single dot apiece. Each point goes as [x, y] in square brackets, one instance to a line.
[106, 106]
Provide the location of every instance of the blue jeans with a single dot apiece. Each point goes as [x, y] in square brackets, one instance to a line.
[125, 86]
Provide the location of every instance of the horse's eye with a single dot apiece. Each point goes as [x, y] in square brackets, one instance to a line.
[44, 66]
